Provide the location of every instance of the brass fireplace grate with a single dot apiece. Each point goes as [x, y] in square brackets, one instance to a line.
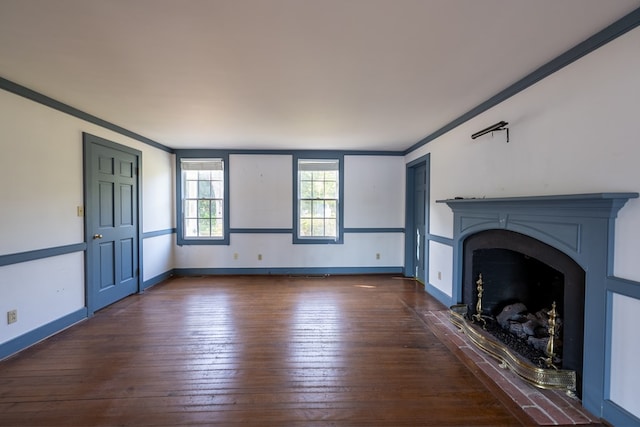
[539, 377]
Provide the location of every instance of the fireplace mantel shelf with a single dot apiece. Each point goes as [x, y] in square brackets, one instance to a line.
[577, 201]
[564, 208]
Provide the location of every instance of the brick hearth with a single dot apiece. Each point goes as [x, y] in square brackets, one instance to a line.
[545, 407]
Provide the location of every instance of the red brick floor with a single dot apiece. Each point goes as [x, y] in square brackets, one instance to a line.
[545, 407]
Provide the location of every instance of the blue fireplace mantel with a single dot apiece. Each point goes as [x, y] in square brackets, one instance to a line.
[581, 226]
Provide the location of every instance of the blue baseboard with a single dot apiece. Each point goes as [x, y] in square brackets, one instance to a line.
[32, 337]
[439, 295]
[287, 271]
[617, 416]
[155, 280]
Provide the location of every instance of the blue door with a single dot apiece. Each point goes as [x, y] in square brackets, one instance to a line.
[111, 221]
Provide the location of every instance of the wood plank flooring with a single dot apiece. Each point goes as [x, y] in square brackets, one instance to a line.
[254, 350]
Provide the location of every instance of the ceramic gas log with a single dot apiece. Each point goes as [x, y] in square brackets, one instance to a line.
[540, 331]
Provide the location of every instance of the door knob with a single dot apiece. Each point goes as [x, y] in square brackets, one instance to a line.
[97, 236]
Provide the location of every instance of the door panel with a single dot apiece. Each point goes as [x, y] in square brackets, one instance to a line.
[111, 221]
[126, 205]
[107, 265]
[105, 204]
[127, 259]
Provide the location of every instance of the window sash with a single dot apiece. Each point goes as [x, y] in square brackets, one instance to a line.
[203, 199]
[318, 199]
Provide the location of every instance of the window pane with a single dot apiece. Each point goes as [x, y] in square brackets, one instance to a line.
[305, 190]
[204, 175]
[217, 189]
[318, 227]
[204, 189]
[217, 175]
[305, 209]
[331, 175]
[318, 175]
[318, 189]
[191, 228]
[318, 209]
[192, 175]
[191, 209]
[331, 227]
[217, 227]
[191, 189]
[204, 228]
[330, 210]
[216, 209]
[330, 190]
[305, 175]
[204, 209]
[305, 227]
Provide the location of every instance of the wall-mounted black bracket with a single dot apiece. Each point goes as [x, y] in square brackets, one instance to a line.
[500, 126]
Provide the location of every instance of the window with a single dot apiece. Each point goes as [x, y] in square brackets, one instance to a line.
[203, 211]
[318, 210]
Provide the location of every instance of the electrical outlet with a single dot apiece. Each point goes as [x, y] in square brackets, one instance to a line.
[235, 255]
[377, 256]
[259, 257]
[80, 211]
[12, 316]
[439, 275]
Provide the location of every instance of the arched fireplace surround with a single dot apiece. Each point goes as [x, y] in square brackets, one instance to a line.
[581, 226]
[519, 268]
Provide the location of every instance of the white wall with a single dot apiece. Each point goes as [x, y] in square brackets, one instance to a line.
[576, 131]
[441, 261]
[625, 375]
[158, 189]
[261, 191]
[158, 211]
[42, 291]
[261, 197]
[41, 178]
[374, 192]
[158, 253]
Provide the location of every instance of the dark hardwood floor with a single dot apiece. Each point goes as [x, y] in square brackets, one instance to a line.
[254, 350]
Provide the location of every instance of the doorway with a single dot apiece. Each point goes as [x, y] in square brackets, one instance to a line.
[112, 221]
[417, 218]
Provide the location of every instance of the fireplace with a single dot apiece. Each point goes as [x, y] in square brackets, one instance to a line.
[529, 277]
[573, 237]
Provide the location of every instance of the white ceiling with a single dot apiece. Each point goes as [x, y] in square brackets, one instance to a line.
[286, 74]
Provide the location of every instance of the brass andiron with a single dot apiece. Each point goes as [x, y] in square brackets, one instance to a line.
[478, 316]
[549, 351]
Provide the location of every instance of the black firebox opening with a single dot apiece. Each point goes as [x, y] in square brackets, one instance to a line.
[511, 277]
[515, 269]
